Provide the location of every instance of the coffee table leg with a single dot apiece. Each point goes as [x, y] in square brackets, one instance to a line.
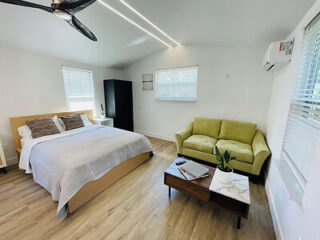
[239, 223]
[169, 191]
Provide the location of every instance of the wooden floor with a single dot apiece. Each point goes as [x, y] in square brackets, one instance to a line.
[136, 207]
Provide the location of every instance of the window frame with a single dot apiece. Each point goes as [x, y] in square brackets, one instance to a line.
[93, 90]
[177, 99]
[294, 179]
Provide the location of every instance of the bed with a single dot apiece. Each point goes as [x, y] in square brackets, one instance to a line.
[76, 165]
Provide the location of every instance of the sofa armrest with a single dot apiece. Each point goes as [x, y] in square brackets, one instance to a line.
[183, 135]
[260, 152]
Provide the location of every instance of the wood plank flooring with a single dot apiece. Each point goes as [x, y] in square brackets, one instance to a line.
[136, 207]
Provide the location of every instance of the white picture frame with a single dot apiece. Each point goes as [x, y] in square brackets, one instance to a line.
[147, 82]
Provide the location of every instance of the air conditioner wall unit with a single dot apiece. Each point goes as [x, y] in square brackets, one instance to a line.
[278, 54]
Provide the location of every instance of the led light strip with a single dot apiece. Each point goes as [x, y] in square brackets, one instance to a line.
[132, 22]
[148, 21]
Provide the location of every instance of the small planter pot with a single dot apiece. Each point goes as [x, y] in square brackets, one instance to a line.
[102, 116]
[224, 177]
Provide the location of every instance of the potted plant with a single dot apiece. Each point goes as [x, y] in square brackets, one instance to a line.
[102, 112]
[224, 168]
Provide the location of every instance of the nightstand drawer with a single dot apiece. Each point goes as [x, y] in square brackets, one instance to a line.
[105, 121]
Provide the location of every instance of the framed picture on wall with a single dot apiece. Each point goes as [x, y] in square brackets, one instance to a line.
[147, 82]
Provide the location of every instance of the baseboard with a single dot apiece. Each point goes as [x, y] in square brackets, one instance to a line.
[274, 213]
[155, 135]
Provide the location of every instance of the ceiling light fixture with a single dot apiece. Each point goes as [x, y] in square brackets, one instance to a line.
[148, 21]
[132, 22]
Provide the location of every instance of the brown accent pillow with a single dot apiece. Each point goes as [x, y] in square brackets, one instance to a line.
[42, 127]
[72, 121]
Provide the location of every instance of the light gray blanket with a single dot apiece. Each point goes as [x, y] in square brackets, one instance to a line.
[65, 163]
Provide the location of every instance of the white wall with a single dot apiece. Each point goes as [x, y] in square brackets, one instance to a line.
[231, 85]
[33, 84]
[291, 219]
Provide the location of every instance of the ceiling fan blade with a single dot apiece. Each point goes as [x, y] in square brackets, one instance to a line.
[28, 4]
[75, 23]
[73, 6]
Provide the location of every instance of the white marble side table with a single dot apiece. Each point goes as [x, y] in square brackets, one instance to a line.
[234, 195]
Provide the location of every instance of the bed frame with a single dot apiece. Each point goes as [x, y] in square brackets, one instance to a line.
[93, 188]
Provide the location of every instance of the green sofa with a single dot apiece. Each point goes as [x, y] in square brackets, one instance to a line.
[243, 140]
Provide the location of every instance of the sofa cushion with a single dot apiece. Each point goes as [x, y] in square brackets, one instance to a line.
[238, 131]
[206, 126]
[201, 143]
[242, 151]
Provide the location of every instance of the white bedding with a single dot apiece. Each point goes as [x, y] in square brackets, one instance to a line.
[64, 162]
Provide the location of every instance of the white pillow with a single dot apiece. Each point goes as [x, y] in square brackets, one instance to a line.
[25, 132]
[57, 122]
[85, 120]
[62, 124]
[23, 141]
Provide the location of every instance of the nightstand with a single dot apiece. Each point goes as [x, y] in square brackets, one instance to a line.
[104, 121]
[3, 163]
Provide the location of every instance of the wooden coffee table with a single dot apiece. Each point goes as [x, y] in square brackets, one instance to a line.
[233, 197]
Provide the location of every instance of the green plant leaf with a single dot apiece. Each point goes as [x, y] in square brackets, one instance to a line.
[218, 154]
[226, 156]
[219, 158]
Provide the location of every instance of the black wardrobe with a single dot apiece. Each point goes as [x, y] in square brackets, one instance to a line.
[118, 103]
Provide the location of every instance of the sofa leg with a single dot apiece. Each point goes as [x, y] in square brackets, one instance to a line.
[254, 179]
[180, 155]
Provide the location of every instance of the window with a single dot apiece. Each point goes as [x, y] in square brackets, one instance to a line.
[178, 84]
[303, 127]
[79, 89]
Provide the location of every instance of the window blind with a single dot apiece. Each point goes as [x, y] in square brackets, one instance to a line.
[302, 133]
[78, 85]
[178, 84]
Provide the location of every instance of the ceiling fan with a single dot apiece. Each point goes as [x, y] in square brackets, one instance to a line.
[64, 9]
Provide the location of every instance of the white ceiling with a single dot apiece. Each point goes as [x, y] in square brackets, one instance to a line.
[234, 23]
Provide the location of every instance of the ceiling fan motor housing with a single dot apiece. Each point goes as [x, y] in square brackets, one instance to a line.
[55, 4]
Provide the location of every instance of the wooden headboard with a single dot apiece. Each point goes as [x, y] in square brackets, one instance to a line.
[17, 122]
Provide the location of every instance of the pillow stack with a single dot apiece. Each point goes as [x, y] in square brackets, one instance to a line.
[48, 126]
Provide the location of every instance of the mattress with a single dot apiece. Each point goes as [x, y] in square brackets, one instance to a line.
[65, 162]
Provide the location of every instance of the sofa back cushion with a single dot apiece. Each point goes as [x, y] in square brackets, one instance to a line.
[206, 126]
[238, 131]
